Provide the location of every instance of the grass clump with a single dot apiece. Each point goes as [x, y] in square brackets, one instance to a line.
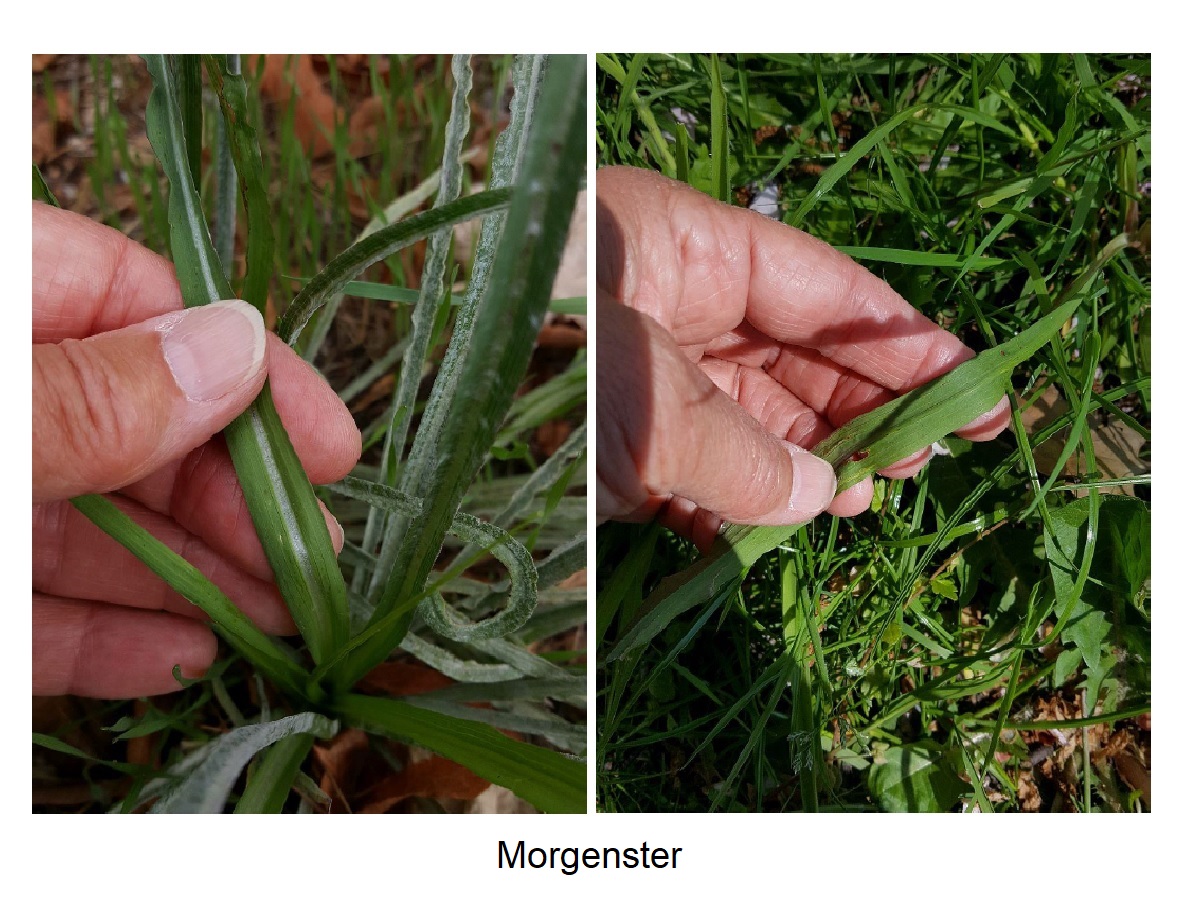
[462, 526]
[980, 638]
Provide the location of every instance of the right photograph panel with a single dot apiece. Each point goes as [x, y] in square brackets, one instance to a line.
[873, 432]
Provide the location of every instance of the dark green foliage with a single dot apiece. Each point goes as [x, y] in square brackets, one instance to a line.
[903, 648]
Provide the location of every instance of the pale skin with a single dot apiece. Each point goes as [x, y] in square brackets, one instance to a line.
[110, 415]
[729, 344]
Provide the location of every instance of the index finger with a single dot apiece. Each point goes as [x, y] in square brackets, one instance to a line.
[89, 278]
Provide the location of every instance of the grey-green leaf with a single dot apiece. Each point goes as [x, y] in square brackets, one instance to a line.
[206, 787]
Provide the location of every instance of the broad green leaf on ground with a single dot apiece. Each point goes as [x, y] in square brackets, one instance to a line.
[550, 781]
[205, 789]
[917, 778]
[1120, 569]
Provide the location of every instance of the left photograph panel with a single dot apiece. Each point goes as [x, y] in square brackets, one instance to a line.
[309, 406]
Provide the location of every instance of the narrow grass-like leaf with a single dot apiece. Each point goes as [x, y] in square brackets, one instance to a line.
[41, 190]
[243, 145]
[888, 434]
[191, 104]
[923, 258]
[395, 293]
[282, 505]
[719, 132]
[494, 349]
[527, 73]
[197, 266]
[225, 228]
[842, 167]
[737, 549]
[229, 621]
[523, 575]
[50, 742]
[522, 717]
[206, 788]
[270, 782]
[522, 596]
[360, 256]
[290, 526]
[426, 314]
[378, 495]
[550, 781]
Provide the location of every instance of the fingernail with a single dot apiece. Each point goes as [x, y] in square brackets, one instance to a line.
[211, 350]
[813, 484]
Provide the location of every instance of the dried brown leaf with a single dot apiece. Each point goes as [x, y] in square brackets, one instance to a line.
[435, 778]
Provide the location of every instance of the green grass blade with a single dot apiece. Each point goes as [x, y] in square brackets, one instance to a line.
[225, 227]
[360, 256]
[394, 293]
[290, 526]
[380, 496]
[511, 553]
[888, 434]
[842, 167]
[206, 787]
[41, 190]
[738, 549]
[923, 258]
[550, 781]
[270, 782]
[282, 505]
[426, 314]
[191, 105]
[243, 146]
[197, 266]
[719, 132]
[229, 621]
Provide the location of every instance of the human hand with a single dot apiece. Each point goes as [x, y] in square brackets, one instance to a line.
[128, 389]
[728, 341]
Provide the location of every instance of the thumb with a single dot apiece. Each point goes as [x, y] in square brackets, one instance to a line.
[114, 407]
[683, 436]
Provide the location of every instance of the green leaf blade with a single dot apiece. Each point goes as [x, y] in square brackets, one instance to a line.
[281, 501]
[550, 781]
